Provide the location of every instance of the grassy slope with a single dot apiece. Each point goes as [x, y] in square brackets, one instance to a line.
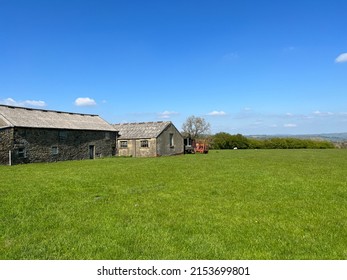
[263, 204]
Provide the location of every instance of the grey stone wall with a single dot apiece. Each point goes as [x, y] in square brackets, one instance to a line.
[6, 140]
[134, 148]
[49, 145]
[163, 142]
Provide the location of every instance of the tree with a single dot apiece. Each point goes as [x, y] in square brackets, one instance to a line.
[223, 140]
[195, 127]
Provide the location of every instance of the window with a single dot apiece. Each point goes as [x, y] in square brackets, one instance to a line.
[107, 136]
[54, 150]
[124, 144]
[171, 140]
[22, 153]
[144, 144]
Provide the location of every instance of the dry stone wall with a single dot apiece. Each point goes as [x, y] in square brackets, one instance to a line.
[6, 140]
[164, 147]
[49, 145]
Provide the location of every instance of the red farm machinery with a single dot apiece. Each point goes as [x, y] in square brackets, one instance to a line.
[192, 146]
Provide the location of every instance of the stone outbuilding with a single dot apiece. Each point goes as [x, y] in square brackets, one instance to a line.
[148, 139]
[35, 135]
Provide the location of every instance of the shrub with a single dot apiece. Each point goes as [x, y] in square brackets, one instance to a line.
[225, 140]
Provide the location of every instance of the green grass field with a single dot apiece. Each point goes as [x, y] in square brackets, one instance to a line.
[244, 204]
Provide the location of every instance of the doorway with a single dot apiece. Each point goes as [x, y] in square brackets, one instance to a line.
[91, 151]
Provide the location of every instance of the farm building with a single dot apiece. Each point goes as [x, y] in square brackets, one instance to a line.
[33, 135]
[148, 139]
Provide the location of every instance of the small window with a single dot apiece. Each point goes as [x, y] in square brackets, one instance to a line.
[171, 140]
[124, 144]
[54, 150]
[144, 144]
[107, 136]
[22, 153]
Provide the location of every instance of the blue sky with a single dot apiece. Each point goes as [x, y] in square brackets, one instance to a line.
[250, 67]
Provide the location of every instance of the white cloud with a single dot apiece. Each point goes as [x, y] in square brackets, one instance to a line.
[341, 58]
[217, 113]
[290, 125]
[28, 103]
[166, 114]
[35, 103]
[85, 101]
[323, 114]
[9, 101]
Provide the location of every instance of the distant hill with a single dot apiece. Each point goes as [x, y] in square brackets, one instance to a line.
[333, 137]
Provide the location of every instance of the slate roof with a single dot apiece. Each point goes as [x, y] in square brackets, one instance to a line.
[11, 116]
[141, 130]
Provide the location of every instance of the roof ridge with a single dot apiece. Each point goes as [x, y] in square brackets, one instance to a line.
[153, 122]
[45, 110]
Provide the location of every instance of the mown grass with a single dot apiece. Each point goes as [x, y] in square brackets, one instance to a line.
[244, 204]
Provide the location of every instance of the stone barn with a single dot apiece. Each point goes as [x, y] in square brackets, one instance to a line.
[148, 139]
[33, 135]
